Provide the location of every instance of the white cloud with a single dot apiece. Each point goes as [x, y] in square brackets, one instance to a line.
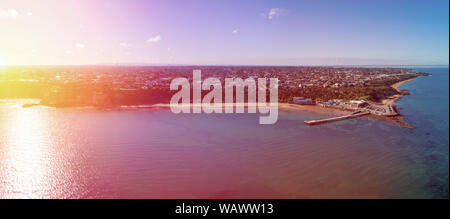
[124, 44]
[235, 31]
[80, 46]
[274, 12]
[154, 39]
[10, 13]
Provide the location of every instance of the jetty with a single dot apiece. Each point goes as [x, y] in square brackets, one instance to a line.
[335, 119]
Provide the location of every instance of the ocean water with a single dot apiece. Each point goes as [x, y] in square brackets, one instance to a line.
[86, 153]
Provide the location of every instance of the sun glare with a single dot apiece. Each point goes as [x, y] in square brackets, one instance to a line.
[27, 153]
[2, 60]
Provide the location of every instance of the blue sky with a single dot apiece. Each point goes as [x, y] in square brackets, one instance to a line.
[240, 32]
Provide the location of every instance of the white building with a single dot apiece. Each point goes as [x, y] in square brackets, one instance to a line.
[303, 101]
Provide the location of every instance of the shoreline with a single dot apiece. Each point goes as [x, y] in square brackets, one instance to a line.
[282, 106]
[323, 112]
[393, 98]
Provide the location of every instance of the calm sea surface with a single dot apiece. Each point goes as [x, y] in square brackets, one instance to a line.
[82, 153]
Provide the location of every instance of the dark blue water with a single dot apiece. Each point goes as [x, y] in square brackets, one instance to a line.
[427, 109]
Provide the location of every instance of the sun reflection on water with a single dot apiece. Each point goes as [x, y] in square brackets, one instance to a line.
[26, 158]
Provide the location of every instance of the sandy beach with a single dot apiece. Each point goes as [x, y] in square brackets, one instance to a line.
[281, 106]
[393, 98]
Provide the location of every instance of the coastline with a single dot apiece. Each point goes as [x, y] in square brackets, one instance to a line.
[393, 98]
[282, 106]
[324, 111]
[319, 109]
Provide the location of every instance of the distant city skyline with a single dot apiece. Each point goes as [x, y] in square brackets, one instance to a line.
[232, 32]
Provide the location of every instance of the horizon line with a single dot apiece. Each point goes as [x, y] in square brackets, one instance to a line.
[236, 65]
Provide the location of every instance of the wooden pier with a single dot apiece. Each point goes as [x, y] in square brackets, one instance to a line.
[335, 119]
